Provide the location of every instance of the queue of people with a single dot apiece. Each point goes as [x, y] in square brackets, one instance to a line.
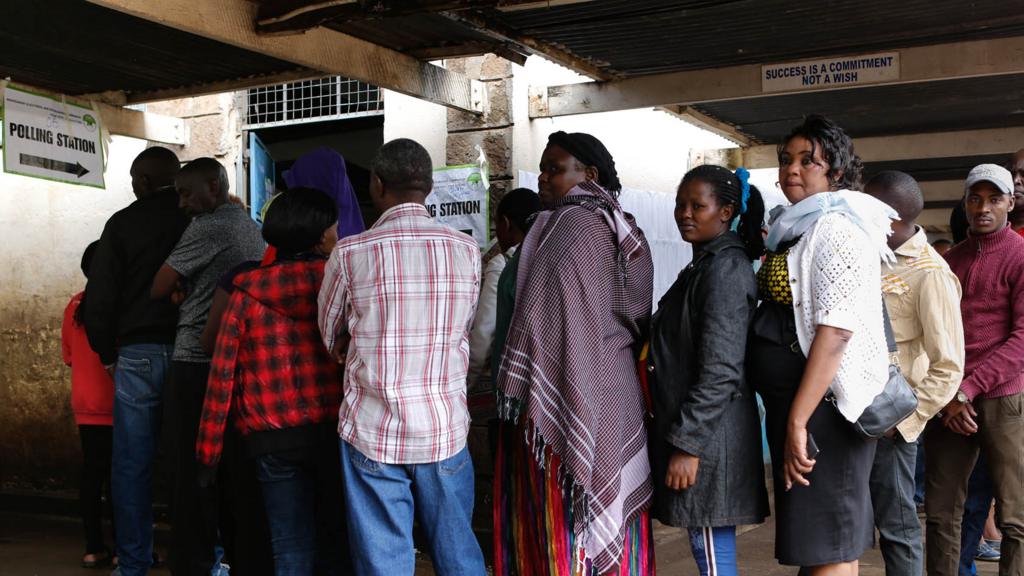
[322, 369]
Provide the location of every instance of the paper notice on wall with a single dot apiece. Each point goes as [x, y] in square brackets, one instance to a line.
[51, 137]
[460, 200]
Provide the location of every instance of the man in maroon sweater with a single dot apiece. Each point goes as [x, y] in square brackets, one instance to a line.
[987, 413]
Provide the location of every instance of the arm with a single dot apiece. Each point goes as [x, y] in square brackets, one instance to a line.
[822, 365]
[65, 331]
[332, 302]
[221, 385]
[218, 306]
[164, 283]
[1006, 361]
[103, 292]
[938, 310]
[726, 300]
[481, 338]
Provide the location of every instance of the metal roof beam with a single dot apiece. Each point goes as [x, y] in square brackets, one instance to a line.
[995, 141]
[919, 64]
[232, 22]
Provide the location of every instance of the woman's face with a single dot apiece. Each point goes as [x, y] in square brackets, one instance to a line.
[560, 172]
[699, 215]
[803, 170]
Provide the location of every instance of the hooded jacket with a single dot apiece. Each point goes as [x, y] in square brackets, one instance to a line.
[270, 368]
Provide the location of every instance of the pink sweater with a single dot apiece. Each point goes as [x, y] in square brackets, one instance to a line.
[991, 271]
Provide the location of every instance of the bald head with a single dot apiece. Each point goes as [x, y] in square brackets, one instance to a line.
[202, 186]
[900, 191]
[153, 169]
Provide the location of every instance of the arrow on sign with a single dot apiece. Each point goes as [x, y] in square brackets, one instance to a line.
[55, 165]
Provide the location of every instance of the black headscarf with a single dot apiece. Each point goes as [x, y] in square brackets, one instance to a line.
[590, 152]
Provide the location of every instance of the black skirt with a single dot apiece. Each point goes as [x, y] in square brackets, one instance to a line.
[831, 521]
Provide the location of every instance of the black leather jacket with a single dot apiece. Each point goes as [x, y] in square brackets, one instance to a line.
[702, 402]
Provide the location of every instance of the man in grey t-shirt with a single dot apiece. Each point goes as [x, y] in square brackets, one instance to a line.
[220, 237]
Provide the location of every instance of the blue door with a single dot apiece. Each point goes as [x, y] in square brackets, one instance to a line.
[261, 177]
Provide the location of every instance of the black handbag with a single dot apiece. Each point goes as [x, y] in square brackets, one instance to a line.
[896, 402]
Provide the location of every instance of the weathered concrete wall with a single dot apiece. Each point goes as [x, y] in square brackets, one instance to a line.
[44, 227]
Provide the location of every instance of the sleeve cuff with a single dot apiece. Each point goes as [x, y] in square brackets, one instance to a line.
[970, 389]
[684, 442]
[841, 319]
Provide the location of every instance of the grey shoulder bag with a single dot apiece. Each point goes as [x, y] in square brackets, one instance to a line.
[895, 402]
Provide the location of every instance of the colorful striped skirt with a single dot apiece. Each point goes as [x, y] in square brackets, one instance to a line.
[533, 517]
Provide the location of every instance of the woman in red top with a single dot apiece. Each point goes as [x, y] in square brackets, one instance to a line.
[272, 376]
[92, 401]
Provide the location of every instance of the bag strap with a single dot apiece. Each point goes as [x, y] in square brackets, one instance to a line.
[890, 338]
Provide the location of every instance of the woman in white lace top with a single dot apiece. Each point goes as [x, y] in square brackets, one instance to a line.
[817, 352]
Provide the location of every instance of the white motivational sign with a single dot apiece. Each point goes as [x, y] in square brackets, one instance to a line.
[460, 200]
[830, 72]
[47, 137]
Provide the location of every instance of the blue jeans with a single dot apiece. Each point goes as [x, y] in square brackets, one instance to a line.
[980, 493]
[384, 498]
[919, 472]
[714, 549]
[138, 391]
[892, 497]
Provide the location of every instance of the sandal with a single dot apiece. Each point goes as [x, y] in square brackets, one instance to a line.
[97, 560]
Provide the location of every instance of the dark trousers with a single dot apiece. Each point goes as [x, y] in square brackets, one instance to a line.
[194, 509]
[96, 450]
[243, 522]
[976, 509]
[302, 493]
[892, 496]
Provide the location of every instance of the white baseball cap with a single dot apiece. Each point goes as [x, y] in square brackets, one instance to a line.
[999, 177]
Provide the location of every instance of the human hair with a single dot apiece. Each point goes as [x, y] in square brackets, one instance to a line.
[208, 169]
[727, 187]
[403, 165]
[900, 191]
[296, 219]
[86, 263]
[844, 166]
[589, 151]
[941, 241]
[518, 206]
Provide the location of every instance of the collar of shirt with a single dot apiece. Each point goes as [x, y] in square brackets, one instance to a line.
[912, 248]
[407, 210]
[512, 251]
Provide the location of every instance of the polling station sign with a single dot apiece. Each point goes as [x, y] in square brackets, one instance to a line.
[830, 72]
[460, 200]
[52, 138]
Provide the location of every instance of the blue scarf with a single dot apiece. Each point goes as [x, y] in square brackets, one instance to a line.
[868, 213]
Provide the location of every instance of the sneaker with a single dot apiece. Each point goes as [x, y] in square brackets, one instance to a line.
[986, 553]
[996, 545]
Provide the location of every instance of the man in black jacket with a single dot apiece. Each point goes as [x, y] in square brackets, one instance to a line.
[134, 337]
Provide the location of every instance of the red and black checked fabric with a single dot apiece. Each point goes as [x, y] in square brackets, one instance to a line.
[270, 367]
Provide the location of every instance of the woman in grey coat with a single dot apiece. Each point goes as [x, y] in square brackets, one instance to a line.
[706, 459]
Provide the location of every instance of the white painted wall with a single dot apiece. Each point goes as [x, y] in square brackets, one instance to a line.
[422, 121]
[651, 148]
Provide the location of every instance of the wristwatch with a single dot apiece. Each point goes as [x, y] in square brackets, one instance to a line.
[961, 397]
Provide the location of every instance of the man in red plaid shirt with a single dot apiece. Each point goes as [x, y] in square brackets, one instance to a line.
[398, 302]
[273, 376]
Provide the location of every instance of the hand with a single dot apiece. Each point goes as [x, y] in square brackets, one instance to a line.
[340, 350]
[682, 471]
[179, 294]
[795, 462]
[110, 368]
[964, 421]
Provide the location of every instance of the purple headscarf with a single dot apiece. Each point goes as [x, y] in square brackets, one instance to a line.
[324, 169]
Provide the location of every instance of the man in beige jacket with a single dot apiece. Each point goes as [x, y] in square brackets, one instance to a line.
[922, 296]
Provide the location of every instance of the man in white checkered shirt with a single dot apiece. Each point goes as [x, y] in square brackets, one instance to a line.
[397, 306]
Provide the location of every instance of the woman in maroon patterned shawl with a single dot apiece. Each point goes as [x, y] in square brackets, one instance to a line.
[572, 482]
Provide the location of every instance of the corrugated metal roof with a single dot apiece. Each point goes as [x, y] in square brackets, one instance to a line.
[638, 37]
[412, 33]
[74, 47]
[989, 102]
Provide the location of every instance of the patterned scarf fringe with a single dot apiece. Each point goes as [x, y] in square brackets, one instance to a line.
[534, 531]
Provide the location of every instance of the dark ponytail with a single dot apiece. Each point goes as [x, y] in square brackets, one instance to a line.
[728, 188]
[86, 263]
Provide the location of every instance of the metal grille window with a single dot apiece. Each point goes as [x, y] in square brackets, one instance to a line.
[317, 100]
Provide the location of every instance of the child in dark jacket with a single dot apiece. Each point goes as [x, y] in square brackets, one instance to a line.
[273, 378]
[92, 401]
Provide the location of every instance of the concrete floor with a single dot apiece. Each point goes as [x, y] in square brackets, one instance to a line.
[38, 545]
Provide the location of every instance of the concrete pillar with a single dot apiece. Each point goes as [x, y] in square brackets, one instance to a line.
[492, 131]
